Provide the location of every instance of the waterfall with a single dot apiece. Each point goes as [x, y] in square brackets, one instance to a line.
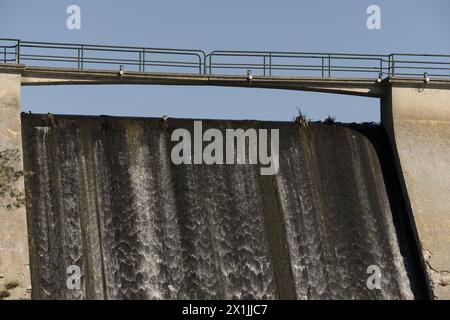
[104, 196]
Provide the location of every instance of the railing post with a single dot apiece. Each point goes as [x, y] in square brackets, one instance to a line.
[143, 60]
[381, 66]
[18, 52]
[270, 63]
[329, 65]
[4, 54]
[389, 65]
[393, 65]
[210, 68]
[264, 67]
[78, 58]
[140, 54]
[204, 64]
[323, 67]
[82, 57]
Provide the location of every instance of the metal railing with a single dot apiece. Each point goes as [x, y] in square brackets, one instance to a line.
[290, 63]
[262, 63]
[83, 56]
[329, 64]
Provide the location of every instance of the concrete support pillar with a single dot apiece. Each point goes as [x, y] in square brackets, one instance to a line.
[14, 254]
[418, 124]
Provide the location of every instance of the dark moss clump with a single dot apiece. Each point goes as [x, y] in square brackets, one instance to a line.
[12, 197]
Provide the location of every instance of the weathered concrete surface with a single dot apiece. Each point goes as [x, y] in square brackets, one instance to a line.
[418, 122]
[14, 255]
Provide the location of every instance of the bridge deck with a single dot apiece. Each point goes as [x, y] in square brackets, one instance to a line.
[39, 76]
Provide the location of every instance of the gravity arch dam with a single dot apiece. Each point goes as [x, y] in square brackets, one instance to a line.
[348, 202]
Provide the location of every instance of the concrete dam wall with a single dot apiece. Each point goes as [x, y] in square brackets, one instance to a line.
[105, 197]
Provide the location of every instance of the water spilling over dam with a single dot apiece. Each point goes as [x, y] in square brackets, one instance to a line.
[105, 196]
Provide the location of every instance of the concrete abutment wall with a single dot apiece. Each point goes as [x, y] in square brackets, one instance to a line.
[418, 124]
[14, 253]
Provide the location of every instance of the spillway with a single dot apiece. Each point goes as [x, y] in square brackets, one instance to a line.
[105, 196]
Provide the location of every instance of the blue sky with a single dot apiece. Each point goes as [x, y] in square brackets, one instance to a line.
[309, 25]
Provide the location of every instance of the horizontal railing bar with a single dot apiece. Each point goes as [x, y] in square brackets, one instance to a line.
[306, 69]
[422, 62]
[74, 46]
[123, 50]
[286, 66]
[421, 75]
[175, 64]
[335, 58]
[73, 58]
[420, 55]
[292, 54]
[260, 53]
[423, 68]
